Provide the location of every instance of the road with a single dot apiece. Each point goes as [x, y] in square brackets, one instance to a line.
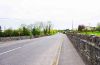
[50, 50]
[68, 54]
[39, 51]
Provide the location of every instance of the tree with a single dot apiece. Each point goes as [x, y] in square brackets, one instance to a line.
[26, 31]
[47, 28]
[81, 28]
[15, 33]
[1, 32]
[8, 32]
[20, 32]
[36, 31]
[98, 27]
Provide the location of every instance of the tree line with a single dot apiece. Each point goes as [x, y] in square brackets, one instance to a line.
[37, 29]
[83, 28]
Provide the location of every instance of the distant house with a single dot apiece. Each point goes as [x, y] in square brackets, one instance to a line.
[90, 28]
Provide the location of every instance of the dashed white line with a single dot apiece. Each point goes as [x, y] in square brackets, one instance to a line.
[10, 50]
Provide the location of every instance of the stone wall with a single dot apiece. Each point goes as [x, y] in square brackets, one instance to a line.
[2, 39]
[87, 46]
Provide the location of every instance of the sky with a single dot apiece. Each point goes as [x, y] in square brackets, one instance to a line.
[61, 13]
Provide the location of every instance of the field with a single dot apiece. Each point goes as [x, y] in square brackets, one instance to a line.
[92, 33]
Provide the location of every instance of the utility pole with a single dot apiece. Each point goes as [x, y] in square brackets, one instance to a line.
[89, 24]
[72, 24]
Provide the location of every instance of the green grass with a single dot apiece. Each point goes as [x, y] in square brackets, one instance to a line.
[92, 33]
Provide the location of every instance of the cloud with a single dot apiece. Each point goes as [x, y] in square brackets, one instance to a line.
[61, 12]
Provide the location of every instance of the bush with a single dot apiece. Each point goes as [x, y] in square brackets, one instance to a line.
[8, 33]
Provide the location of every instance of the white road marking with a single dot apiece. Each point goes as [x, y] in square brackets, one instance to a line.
[10, 50]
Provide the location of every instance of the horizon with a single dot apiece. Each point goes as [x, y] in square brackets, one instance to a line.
[16, 23]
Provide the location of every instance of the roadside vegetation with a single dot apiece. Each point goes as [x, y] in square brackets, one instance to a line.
[36, 30]
[89, 30]
[97, 33]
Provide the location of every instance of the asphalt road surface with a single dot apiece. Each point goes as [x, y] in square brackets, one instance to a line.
[39, 51]
[68, 54]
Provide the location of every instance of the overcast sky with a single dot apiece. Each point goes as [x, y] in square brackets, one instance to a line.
[60, 12]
